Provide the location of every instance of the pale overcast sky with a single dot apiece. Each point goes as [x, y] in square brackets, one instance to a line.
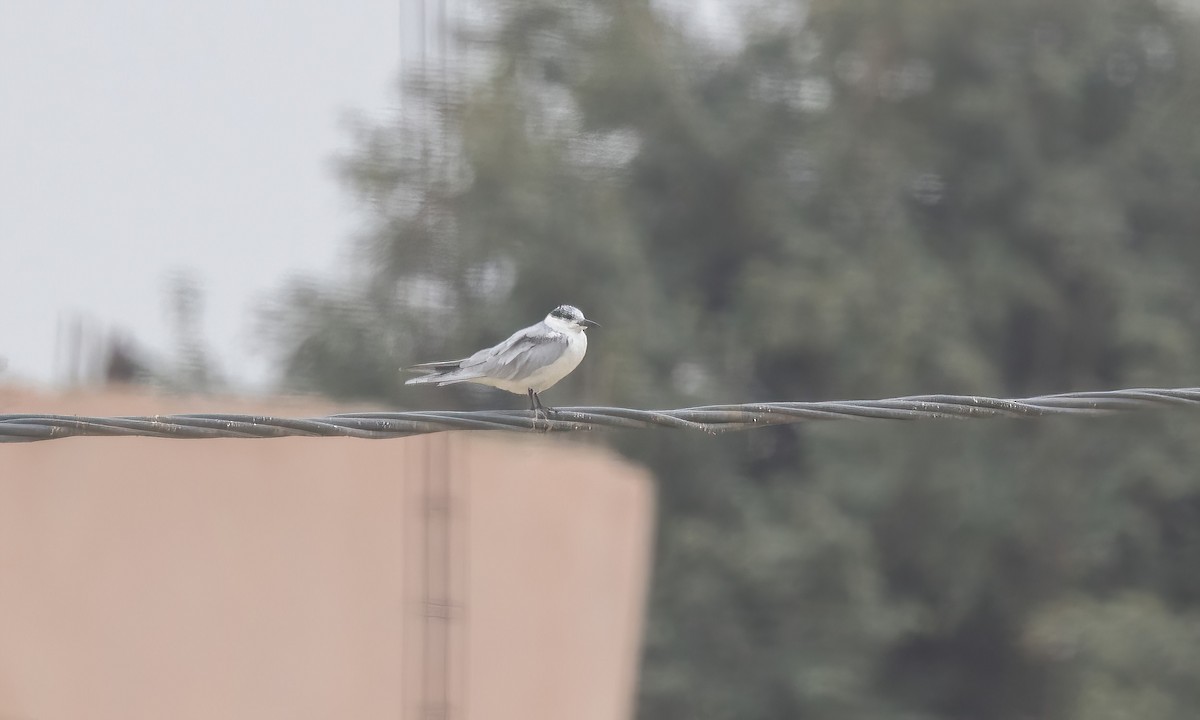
[139, 137]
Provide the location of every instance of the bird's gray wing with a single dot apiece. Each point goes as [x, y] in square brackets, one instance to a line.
[448, 366]
[517, 357]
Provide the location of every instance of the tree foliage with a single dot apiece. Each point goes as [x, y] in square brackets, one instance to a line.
[855, 198]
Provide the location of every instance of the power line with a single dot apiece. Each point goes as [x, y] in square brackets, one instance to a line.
[708, 418]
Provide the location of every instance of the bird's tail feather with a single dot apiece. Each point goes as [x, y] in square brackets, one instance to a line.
[431, 371]
[435, 366]
[453, 379]
[431, 378]
[443, 378]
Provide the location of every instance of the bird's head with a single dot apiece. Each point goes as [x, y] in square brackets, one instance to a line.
[568, 318]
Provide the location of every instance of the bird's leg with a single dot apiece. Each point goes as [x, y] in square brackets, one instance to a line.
[545, 410]
[535, 407]
[538, 409]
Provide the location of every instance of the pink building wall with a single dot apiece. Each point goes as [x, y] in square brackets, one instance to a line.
[144, 578]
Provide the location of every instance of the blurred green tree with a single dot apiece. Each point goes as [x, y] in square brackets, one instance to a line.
[843, 199]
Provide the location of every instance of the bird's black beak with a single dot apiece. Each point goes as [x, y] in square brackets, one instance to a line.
[589, 323]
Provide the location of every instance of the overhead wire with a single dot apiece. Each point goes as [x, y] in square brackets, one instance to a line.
[707, 418]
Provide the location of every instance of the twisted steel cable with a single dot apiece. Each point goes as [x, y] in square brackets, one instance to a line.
[708, 418]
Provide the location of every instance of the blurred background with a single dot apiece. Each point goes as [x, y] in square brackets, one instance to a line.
[760, 200]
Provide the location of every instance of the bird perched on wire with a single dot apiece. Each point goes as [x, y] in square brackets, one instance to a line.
[528, 362]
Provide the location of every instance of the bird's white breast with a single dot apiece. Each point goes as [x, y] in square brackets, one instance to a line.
[546, 377]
